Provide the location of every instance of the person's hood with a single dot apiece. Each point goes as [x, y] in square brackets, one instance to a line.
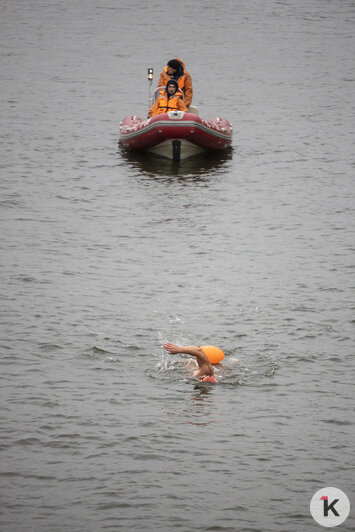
[182, 64]
[179, 67]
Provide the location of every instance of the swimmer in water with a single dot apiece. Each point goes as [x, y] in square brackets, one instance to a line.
[205, 367]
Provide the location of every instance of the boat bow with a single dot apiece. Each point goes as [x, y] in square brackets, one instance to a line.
[157, 134]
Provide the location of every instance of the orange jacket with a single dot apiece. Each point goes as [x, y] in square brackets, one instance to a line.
[164, 105]
[184, 82]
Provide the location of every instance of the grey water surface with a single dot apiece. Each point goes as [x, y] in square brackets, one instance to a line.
[105, 256]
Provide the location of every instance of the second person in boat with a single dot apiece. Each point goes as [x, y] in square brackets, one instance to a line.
[168, 100]
[175, 69]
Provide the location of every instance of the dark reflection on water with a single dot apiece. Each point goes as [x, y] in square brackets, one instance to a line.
[202, 409]
[202, 389]
[197, 166]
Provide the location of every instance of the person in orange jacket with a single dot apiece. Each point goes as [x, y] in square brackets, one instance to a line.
[168, 100]
[175, 69]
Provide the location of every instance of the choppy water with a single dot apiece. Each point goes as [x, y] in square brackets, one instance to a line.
[105, 256]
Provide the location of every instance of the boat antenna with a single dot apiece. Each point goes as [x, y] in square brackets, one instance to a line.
[150, 81]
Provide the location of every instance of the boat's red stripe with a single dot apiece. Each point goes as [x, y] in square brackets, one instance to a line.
[170, 124]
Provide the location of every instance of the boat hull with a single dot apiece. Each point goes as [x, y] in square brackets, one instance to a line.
[175, 135]
[176, 149]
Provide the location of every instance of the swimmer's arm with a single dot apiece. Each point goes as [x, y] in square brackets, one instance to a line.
[188, 350]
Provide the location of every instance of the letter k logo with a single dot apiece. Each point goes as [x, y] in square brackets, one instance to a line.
[327, 507]
[330, 507]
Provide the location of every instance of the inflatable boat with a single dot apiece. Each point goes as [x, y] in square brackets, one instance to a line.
[176, 135]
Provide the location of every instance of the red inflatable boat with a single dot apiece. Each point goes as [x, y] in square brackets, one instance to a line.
[176, 134]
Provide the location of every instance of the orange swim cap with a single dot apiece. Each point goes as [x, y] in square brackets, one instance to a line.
[213, 353]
